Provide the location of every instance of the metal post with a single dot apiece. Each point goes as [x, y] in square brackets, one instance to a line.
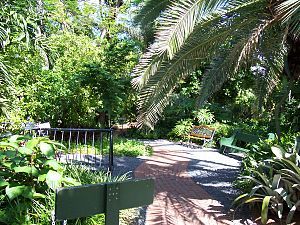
[111, 152]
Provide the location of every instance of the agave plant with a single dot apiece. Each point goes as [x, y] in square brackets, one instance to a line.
[276, 185]
[229, 34]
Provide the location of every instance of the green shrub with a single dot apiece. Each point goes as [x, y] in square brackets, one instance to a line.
[29, 168]
[29, 172]
[204, 116]
[181, 129]
[275, 184]
[38, 211]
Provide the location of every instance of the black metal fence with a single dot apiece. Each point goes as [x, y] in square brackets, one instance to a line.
[93, 147]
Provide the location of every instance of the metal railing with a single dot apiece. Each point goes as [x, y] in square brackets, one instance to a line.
[84, 146]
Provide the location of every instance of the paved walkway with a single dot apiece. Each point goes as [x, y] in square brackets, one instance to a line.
[178, 199]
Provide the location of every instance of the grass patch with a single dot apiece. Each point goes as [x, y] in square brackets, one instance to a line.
[121, 147]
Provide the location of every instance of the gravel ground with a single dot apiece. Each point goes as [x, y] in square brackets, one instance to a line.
[215, 173]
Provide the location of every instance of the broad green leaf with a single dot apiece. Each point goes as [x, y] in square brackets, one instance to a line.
[25, 151]
[38, 195]
[47, 149]
[15, 138]
[239, 198]
[254, 189]
[10, 154]
[31, 144]
[53, 179]
[7, 164]
[276, 181]
[278, 152]
[42, 177]
[17, 159]
[254, 199]
[23, 169]
[52, 163]
[26, 169]
[264, 209]
[13, 192]
[28, 192]
[3, 183]
[6, 144]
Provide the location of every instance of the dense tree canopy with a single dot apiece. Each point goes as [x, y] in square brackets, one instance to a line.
[67, 62]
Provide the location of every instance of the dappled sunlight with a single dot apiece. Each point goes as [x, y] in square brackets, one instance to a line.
[178, 199]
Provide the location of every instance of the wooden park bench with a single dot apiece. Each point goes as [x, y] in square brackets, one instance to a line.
[234, 142]
[203, 133]
[108, 198]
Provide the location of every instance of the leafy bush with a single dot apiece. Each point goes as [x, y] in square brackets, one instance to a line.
[204, 116]
[29, 168]
[29, 172]
[275, 183]
[38, 211]
[181, 129]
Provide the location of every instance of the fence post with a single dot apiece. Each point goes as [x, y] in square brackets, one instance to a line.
[111, 152]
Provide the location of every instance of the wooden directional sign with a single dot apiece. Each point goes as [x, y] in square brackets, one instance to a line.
[108, 198]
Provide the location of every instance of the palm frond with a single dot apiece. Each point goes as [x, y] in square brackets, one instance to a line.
[150, 11]
[288, 12]
[231, 62]
[179, 21]
[201, 45]
[154, 96]
[146, 17]
[273, 51]
[174, 30]
[253, 41]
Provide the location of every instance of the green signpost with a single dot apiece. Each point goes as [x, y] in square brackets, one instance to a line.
[108, 198]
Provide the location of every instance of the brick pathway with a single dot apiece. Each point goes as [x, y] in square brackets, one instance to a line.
[178, 200]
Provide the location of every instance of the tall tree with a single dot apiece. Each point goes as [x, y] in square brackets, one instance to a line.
[230, 34]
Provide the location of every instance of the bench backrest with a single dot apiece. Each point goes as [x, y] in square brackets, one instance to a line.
[248, 138]
[202, 131]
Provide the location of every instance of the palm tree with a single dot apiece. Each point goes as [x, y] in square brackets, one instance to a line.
[229, 34]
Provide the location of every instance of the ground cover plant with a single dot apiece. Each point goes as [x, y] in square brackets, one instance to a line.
[121, 147]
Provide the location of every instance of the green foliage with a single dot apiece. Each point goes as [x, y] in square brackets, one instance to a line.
[204, 116]
[232, 36]
[38, 211]
[58, 52]
[29, 167]
[132, 148]
[274, 183]
[182, 129]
